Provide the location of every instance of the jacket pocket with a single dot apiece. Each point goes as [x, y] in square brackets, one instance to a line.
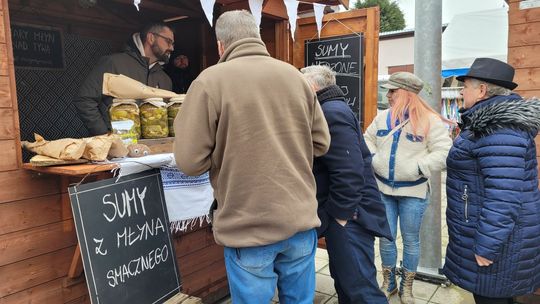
[382, 132]
[465, 198]
[414, 138]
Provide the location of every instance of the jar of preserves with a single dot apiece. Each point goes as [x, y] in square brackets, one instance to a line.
[125, 121]
[154, 118]
[173, 107]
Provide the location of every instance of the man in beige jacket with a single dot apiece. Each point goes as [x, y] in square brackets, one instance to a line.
[255, 123]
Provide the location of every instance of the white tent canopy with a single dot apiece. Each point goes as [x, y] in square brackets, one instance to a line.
[475, 34]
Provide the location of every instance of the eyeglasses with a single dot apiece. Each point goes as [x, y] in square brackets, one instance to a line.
[167, 39]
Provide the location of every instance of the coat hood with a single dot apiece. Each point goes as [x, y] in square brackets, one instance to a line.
[501, 112]
[135, 48]
[332, 92]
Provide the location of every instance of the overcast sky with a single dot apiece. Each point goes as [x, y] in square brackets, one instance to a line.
[449, 8]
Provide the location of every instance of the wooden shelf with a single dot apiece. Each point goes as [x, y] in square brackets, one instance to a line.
[72, 170]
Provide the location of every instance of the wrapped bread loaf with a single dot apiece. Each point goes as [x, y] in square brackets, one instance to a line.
[65, 148]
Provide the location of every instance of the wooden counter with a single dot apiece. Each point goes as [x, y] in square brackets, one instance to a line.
[200, 259]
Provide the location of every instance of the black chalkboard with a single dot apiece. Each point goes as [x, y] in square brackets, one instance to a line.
[122, 227]
[37, 46]
[344, 55]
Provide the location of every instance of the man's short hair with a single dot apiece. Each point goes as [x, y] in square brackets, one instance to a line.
[154, 27]
[321, 76]
[492, 89]
[232, 26]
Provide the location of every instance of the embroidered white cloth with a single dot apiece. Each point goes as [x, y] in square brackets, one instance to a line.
[188, 198]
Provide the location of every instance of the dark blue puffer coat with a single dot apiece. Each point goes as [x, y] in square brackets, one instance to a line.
[493, 199]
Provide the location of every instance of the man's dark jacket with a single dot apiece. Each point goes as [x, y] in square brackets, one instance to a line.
[93, 106]
[345, 182]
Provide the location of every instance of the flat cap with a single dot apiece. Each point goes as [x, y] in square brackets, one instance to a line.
[404, 80]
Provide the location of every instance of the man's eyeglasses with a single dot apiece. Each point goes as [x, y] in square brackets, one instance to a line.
[168, 40]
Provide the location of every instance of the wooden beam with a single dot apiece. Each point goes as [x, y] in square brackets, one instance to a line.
[178, 8]
[275, 8]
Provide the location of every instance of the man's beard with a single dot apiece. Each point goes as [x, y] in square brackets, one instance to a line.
[160, 54]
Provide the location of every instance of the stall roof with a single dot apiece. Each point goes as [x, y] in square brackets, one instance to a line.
[475, 34]
[345, 3]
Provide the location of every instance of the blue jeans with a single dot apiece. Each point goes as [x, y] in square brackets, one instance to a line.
[410, 211]
[254, 272]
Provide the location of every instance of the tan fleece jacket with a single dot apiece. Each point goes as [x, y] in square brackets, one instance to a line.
[255, 123]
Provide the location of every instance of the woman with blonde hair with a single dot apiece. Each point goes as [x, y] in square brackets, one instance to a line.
[407, 141]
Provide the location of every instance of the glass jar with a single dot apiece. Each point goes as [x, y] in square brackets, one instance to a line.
[125, 121]
[173, 107]
[154, 118]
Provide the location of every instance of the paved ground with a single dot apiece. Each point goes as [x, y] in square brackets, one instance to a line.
[424, 292]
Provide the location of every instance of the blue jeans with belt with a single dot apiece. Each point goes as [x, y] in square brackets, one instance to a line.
[254, 272]
[410, 211]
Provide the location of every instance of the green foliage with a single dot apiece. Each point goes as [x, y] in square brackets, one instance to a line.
[391, 15]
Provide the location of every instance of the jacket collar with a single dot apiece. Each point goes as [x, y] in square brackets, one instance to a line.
[500, 112]
[244, 47]
[332, 92]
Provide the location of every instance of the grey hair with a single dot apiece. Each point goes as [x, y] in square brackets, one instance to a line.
[232, 26]
[321, 76]
[492, 89]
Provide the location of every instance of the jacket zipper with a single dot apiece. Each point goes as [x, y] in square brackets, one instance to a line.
[465, 197]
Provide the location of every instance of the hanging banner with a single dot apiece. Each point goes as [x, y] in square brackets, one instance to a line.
[136, 3]
[255, 6]
[208, 8]
[318, 9]
[292, 12]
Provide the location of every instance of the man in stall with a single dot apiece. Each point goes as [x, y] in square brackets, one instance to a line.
[141, 60]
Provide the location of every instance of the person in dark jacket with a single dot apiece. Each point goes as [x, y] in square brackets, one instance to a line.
[493, 212]
[141, 60]
[350, 207]
[178, 70]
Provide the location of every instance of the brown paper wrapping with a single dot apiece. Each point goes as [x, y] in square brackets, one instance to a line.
[96, 148]
[121, 86]
[65, 148]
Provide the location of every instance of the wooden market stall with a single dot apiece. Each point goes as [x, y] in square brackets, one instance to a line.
[523, 49]
[37, 237]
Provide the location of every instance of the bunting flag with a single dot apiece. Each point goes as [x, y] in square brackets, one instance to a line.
[292, 12]
[319, 14]
[255, 6]
[208, 8]
[136, 3]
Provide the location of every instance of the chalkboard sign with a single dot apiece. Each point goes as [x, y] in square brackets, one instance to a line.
[344, 55]
[122, 227]
[37, 46]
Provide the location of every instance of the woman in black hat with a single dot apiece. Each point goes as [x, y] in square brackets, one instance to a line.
[493, 212]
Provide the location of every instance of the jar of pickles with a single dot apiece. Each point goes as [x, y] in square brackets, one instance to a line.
[173, 107]
[154, 118]
[125, 121]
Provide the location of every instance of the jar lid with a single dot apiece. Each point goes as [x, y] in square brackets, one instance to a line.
[156, 102]
[180, 98]
[153, 99]
[123, 100]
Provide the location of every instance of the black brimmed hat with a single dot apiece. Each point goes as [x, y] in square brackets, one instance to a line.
[491, 71]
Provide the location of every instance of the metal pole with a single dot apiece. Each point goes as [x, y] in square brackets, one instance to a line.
[427, 66]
